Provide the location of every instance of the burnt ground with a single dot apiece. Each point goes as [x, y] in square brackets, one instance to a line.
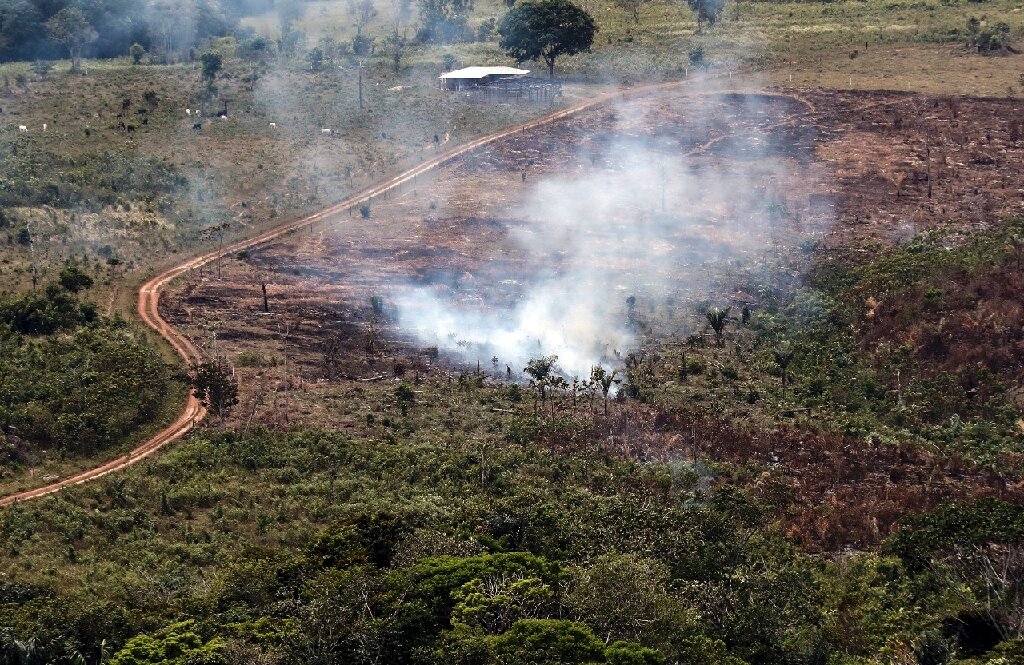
[784, 171]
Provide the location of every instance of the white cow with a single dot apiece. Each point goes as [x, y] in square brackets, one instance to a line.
[44, 126]
[22, 128]
[188, 112]
[325, 131]
[273, 125]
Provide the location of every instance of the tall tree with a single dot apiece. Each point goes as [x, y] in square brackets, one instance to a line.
[362, 12]
[70, 28]
[633, 7]
[546, 29]
[214, 384]
[707, 11]
[717, 319]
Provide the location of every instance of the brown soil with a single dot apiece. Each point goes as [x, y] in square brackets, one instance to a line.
[856, 171]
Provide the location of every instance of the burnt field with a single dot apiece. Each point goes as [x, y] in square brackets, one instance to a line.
[616, 230]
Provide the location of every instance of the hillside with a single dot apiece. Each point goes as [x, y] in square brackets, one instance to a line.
[723, 366]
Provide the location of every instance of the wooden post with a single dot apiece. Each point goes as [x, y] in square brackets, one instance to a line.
[928, 162]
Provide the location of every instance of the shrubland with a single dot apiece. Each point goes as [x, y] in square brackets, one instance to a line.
[316, 547]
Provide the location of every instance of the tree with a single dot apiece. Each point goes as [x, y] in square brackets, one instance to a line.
[212, 64]
[405, 396]
[214, 384]
[362, 12]
[542, 373]
[548, 641]
[73, 279]
[707, 11]
[70, 28]
[316, 59]
[394, 47]
[136, 51]
[546, 29]
[717, 319]
[401, 15]
[633, 7]
[605, 380]
[783, 356]
[444, 21]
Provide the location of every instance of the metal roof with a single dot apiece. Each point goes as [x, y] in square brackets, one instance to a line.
[483, 72]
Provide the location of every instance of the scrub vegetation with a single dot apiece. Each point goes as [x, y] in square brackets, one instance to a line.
[807, 450]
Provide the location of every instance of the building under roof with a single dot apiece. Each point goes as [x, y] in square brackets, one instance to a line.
[476, 76]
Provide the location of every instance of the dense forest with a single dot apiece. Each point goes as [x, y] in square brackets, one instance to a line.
[117, 24]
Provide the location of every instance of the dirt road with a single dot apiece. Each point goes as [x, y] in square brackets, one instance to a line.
[149, 293]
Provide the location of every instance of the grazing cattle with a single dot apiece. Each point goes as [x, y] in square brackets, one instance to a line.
[222, 114]
[145, 121]
[121, 125]
[223, 117]
[197, 126]
[273, 125]
[131, 128]
[22, 128]
[325, 131]
[188, 112]
[44, 126]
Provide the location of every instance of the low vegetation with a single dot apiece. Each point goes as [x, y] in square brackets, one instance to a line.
[317, 548]
[72, 382]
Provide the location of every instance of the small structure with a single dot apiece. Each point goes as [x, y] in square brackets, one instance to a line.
[474, 77]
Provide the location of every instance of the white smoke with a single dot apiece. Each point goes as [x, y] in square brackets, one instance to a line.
[630, 219]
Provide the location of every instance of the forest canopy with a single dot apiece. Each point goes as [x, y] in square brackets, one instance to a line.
[160, 26]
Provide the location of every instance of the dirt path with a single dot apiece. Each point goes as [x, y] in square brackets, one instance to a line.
[149, 293]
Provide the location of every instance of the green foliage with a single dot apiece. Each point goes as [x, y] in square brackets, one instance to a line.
[74, 279]
[717, 319]
[70, 27]
[212, 62]
[546, 29]
[887, 389]
[177, 644]
[137, 51]
[957, 524]
[630, 653]
[79, 392]
[547, 642]
[707, 11]
[444, 21]
[43, 314]
[493, 605]
[90, 179]
[214, 384]
[988, 38]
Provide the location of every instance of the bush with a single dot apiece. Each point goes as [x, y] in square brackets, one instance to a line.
[74, 279]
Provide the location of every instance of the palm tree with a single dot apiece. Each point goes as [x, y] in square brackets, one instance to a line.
[717, 318]
[602, 377]
[542, 374]
[783, 356]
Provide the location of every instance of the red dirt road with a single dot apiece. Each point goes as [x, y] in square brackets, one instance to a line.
[149, 293]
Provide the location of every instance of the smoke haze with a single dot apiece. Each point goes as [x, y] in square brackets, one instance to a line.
[639, 216]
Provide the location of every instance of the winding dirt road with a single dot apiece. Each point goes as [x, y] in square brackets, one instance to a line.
[149, 293]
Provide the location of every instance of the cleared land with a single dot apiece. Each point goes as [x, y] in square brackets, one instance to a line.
[847, 168]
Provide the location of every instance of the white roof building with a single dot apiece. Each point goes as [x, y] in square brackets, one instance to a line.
[470, 76]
